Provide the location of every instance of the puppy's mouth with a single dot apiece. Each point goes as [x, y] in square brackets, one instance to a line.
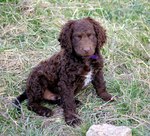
[84, 53]
[87, 54]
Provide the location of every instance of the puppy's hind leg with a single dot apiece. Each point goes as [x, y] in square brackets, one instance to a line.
[34, 104]
[39, 109]
[35, 98]
[35, 93]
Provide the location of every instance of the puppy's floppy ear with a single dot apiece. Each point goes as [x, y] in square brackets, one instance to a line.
[100, 32]
[65, 36]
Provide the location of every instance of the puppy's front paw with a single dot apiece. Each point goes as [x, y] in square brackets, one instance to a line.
[106, 96]
[73, 120]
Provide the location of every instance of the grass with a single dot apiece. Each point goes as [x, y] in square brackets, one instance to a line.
[28, 34]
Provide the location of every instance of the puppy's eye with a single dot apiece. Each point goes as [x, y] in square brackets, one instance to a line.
[89, 35]
[79, 36]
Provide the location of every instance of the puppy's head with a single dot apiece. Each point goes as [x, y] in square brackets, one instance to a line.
[83, 36]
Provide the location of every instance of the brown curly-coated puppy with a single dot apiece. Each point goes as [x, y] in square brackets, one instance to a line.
[63, 75]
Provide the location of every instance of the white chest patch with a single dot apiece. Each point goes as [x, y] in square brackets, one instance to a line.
[88, 78]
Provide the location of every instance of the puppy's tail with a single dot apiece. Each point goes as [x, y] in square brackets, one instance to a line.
[17, 102]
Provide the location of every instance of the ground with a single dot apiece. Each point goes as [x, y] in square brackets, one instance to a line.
[28, 34]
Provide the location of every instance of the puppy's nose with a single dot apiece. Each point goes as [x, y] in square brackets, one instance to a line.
[86, 50]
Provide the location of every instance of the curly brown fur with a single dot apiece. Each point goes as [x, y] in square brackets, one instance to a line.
[64, 74]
